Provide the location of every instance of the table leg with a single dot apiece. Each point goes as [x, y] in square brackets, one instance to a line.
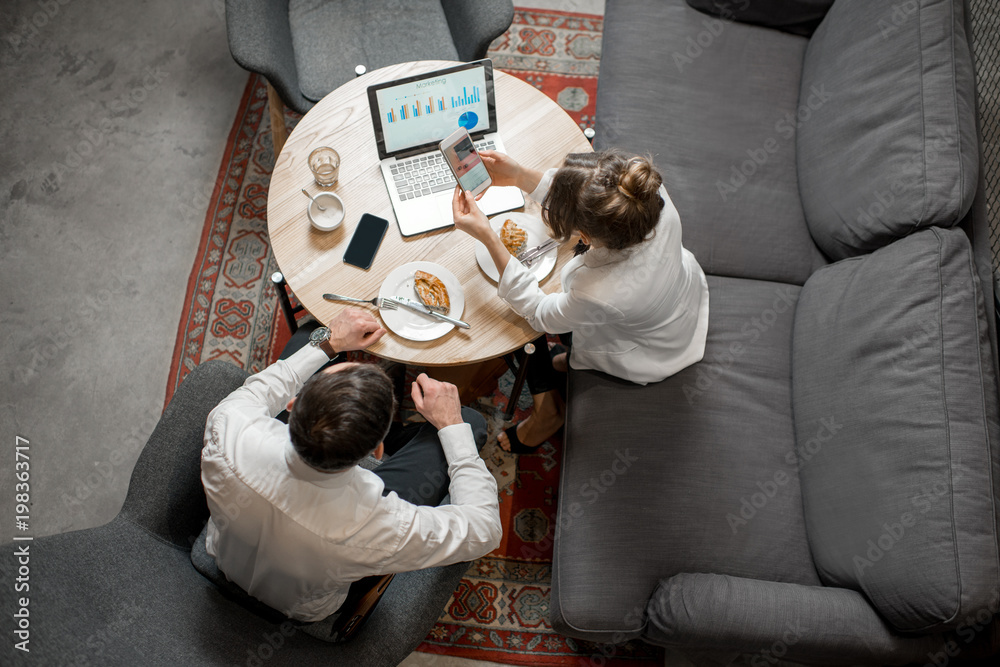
[519, 366]
[286, 304]
[472, 380]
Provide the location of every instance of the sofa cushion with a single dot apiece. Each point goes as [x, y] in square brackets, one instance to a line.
[893, 148]
[331, 38]
[799, 17]
[896, 425]
[720, 123]
[808, 624]
[693, 474]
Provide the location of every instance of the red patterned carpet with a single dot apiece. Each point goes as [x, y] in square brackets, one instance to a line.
[500, 610]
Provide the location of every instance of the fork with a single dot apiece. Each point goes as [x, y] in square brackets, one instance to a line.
[378, 302]
[529, 256]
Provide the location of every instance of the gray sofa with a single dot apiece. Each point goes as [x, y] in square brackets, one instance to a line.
[822, 487]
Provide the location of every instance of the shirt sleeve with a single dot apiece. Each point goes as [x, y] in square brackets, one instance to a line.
[468, 528]
[542, 189]
[269, 391]
[550, 313]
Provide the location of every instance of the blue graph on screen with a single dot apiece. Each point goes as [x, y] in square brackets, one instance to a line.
[417, 108]
[468, 120]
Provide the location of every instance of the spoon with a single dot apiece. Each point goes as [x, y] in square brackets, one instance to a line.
[306, 193]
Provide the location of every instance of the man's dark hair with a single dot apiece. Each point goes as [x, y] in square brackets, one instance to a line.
[340, 418]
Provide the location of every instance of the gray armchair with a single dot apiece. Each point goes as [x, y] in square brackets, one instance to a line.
[307, 48]
[126, 593]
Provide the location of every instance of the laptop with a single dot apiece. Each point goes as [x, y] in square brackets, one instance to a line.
[411, 117]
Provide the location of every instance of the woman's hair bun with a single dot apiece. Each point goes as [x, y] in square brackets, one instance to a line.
[639, 180]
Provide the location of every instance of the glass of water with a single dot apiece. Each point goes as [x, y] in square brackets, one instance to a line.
[325, 165]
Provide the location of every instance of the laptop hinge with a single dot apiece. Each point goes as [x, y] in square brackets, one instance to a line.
[420, 150]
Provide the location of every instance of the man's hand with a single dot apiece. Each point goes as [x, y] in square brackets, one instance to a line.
[468, 216]
[437, 401]
[354, 329]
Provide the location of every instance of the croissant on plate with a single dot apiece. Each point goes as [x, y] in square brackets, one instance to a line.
[431, 290]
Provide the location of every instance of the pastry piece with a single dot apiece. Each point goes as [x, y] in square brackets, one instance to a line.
[514, 238]
[431, 290]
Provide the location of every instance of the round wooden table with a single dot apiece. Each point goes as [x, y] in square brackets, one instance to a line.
[536, 132]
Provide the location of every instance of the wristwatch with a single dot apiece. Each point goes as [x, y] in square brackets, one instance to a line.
[321, 338]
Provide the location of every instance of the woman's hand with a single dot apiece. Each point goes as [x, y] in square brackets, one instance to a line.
[468, 216]
[505, 170]
[471, 220]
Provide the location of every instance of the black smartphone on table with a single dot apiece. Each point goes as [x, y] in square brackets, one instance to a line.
[366, 240]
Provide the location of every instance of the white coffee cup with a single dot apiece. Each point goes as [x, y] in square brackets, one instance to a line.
[330, 218]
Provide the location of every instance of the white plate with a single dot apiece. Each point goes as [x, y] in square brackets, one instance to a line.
[416, 326]
[537, 234]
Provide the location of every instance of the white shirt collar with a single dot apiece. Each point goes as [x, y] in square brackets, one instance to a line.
[302, 470]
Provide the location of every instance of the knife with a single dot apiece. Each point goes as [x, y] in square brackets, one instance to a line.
[421, 308]
[539, 250]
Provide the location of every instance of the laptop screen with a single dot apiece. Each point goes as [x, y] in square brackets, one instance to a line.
[418, 112]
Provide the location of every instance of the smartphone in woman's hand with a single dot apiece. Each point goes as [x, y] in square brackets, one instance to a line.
[465, 162]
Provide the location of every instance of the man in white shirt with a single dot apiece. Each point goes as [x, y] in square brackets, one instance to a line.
[294, 519]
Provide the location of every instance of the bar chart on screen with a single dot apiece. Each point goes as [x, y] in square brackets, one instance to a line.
[415, 108]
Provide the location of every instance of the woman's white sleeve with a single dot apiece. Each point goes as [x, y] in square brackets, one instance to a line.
[542, 189]
[550, 313]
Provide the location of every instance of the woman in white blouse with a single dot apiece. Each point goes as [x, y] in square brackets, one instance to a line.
[636, 300]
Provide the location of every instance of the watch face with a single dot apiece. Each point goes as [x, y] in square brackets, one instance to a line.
[319, 335]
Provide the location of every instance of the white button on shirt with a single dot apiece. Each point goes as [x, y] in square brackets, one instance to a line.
[296, 538]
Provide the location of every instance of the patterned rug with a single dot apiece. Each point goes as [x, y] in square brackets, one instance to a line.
[500, 610]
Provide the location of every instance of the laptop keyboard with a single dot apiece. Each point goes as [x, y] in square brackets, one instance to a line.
[426, 174]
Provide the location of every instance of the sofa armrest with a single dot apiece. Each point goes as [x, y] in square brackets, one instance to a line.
[260, 40]
[474, 25]
[811, 624]
[165, 494]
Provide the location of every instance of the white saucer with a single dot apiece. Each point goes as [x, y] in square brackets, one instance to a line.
[537, 234]
[409, 324]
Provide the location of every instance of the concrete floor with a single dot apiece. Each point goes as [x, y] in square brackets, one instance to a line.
[113, 124]
[114, 121]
